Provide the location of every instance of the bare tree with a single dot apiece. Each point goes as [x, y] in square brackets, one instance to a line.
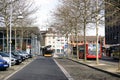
[67, 18]
[25, 9]
[20, 7]
[76, 15]
[5, 14]
[112, 10]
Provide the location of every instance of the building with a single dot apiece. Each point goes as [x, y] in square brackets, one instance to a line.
[30, 38]
[112, 27]
[89, 39]
[112, 22]
[56, 41]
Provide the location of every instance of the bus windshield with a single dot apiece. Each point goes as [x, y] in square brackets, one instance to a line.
[92, 49]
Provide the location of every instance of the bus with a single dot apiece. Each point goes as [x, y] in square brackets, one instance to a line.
[47, 51]
[90, 51]
[115, 51]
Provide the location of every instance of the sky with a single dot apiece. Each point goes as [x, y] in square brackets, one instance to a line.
[45, 10]
[43, 15]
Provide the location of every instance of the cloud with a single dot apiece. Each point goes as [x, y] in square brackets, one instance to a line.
[44, 2]
[46, 6]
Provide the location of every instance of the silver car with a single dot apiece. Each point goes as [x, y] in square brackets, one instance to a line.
[7, 58]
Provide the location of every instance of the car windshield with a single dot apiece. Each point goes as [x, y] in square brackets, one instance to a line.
[9, 54]
[1, 57]
[4, 55]
[15, 53]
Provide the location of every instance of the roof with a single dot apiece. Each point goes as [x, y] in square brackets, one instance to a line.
[29, 30]
[81, 38]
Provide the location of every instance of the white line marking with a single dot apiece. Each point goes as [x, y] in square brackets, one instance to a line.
[64, 71]
[16, 71]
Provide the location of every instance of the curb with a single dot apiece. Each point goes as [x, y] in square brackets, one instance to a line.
[102, 70]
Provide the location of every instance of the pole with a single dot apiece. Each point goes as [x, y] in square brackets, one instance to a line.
[119, 57]
[36, 46]
[3, 41]
[77, 47]
[10, 31]
[15, 41]
[60, 38]
[97, 60]
[39, 46]
[21, 46]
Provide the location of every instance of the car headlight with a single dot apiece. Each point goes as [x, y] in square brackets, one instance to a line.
[12, 59]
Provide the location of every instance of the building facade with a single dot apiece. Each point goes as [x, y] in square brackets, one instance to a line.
[112, 22]
[29, 39]
[57, 42]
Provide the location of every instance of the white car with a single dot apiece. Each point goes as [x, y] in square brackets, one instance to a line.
[13, 60]
[7, 58]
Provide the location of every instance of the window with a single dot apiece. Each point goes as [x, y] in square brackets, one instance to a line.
[49, 42]
[81, 41]
[58, 50]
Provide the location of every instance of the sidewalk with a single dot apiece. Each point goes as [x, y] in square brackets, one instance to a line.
[105, 66]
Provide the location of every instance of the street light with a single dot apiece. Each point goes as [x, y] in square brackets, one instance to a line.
[19, 17]
[11, 10]
[36, 45]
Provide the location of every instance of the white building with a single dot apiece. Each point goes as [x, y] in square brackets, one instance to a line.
[57, 42]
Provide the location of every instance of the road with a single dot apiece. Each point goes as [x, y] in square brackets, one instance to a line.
[82, 72]
[46, 69]
[40, 69]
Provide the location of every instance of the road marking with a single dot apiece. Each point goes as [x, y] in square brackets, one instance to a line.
[16, 71]
[64, 71]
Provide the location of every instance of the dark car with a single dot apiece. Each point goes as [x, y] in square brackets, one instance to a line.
[3, 64]
[23, 53]
[17, 54]
[17, 57]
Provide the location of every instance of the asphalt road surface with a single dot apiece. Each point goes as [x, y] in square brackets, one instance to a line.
[81, 72]
[40, 69]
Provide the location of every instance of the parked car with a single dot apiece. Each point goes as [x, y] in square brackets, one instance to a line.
[18, 54]
[17, 57]
[23, 54]
[7, 58]
[3, 64]
[28, 54]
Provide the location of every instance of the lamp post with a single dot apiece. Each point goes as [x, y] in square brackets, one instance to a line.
[3, 41]
[18, 17]
[36, 45]
[11, 10]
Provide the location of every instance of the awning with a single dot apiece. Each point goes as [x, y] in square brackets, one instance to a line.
[106, 46]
